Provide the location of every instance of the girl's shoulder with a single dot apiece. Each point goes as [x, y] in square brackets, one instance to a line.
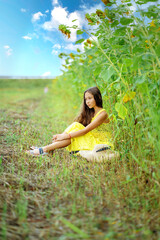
[104, 113]
[99, 112]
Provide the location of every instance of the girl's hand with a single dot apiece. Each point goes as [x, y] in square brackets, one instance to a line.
[60, 137]
[54, 138]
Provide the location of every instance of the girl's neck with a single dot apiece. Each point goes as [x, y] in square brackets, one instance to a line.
[96, 109]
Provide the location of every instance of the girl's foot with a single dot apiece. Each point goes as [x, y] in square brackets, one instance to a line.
[33, 147]
[37, 152]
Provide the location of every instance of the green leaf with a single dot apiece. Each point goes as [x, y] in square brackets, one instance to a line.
[107, 73]
[115, 23]
[121, 109]
[79, 41]
[67, 61]
[79, 32]
[138, 49]
[74, 27]
[145, 1]
[143, 88]
[157, 50]
[117, 86]
[126, 21]
[129, 4]
[140, 79]
[104, 93]
[74, 20]
[127, 62]
[120, 31]
[97, 70]
[136, 62]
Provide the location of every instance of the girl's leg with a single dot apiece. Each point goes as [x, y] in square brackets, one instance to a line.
[53, 146]
[56, 145]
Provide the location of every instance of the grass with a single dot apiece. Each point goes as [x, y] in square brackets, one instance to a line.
[64, 197]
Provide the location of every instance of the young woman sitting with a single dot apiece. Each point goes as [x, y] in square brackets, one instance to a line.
[90, 129]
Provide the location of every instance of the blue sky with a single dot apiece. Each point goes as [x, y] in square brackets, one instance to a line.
[29, 38]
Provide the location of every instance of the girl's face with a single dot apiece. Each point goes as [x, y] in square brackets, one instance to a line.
[89, 99]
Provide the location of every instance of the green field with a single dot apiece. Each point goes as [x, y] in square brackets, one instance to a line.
[60, 196]
[63, 197]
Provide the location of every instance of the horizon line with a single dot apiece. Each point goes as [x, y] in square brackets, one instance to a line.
[27, 77]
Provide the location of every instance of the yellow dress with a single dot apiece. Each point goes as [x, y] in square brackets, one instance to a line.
[99, 135]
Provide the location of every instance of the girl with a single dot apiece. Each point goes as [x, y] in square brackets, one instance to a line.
[89, 129]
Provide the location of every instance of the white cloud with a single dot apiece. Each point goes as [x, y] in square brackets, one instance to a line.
[36, 16]
[62, 60]
[30, 36]
[46, 74]
[6, 47]
[59, 16]
[133, 8]
[72, 47]
[47, 38]
[92, 9]
[33, 35]
[58, 46]
[55, 52]
[47, 11]
[23, 10]
[55, 2]
[27, 37]
[9, 50]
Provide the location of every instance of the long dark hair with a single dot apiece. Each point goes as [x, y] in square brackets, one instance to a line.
[86, 113]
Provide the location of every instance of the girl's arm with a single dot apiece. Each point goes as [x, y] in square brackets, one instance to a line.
[98, 121]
